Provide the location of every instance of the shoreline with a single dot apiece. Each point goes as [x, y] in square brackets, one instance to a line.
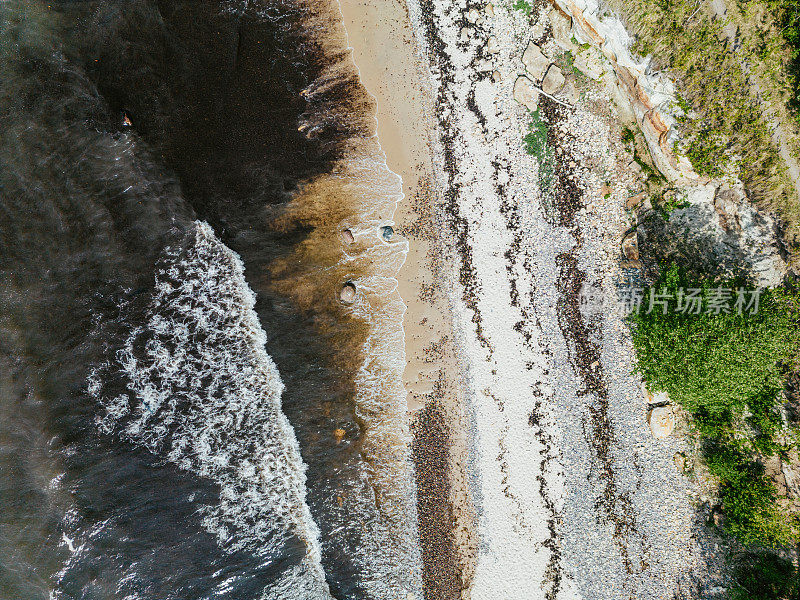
[392, 69]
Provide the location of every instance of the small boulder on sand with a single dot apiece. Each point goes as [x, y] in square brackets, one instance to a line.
[347, 237]
[525, 93]
[662, 421]
[535, 62]
[553, 80]
[492, 46]
[348, 293]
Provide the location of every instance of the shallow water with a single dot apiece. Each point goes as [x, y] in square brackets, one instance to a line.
[174, 177]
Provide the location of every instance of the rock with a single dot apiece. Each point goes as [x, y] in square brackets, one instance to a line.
[387, 232]
[661, 421]
[561, 25]
[473, 16]
[338, 434]
[348, 293]
[635, 201]
[570, 93]
[347, 237]
[717, 518]
[496, 77]
[630, 246]
[553, 80]
[726, 202]
[492, 46]
[680, 462]
[589, 65]
[490, 10]
[525, 93]
[535, 62]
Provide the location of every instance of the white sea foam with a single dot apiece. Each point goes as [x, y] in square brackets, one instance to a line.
[203, 392]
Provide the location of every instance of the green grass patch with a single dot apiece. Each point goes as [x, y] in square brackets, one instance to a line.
[727, 369]
[523, 6]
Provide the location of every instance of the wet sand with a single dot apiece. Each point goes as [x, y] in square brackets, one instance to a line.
[392, 69]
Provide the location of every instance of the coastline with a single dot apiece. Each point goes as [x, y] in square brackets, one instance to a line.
[386, 52]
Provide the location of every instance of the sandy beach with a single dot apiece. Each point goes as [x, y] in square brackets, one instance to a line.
[537, 475]
[393, 70]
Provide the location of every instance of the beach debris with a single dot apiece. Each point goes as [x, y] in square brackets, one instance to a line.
[553, 80]
[535, 62]
[492, 46]
[526, 93]
[338, 434]
[630, 246]
[387, 232]
[662, 421]
[348, 293]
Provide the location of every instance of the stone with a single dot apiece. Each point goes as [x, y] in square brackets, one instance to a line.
[635, 201]
[492, 46]
[589, 65]
[680, 462]
[630, 246]
[662, 421]
[338, 434]
[348, 237]
[348, 293]
[496, 77]
[535, 62]
[553, 80]
[387, 232]
[490, 10]
[525, 93]
[473, 16]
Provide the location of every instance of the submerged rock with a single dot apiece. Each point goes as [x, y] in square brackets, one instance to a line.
[348, 293]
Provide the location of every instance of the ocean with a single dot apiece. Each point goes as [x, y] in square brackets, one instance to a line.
[188, 408]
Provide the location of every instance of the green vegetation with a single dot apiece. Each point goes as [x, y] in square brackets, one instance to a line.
[727, 369]
[722, 127]
[765, 577]
[524, 6]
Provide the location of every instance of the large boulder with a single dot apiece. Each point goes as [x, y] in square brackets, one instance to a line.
[526, 93]
[662, 421]
[535, 62]
[553, 80]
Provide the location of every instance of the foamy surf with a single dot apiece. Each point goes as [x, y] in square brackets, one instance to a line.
[202, 392]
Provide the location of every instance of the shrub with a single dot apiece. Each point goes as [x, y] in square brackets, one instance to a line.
[765, 576]
[717, 362]
[727, 369]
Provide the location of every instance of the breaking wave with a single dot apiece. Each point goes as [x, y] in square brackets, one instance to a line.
[195, 385]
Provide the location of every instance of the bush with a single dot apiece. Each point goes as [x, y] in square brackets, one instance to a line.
[727, 369]
[765, 577]
[717, 362]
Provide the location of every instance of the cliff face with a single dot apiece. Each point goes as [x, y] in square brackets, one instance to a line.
[712, 228]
